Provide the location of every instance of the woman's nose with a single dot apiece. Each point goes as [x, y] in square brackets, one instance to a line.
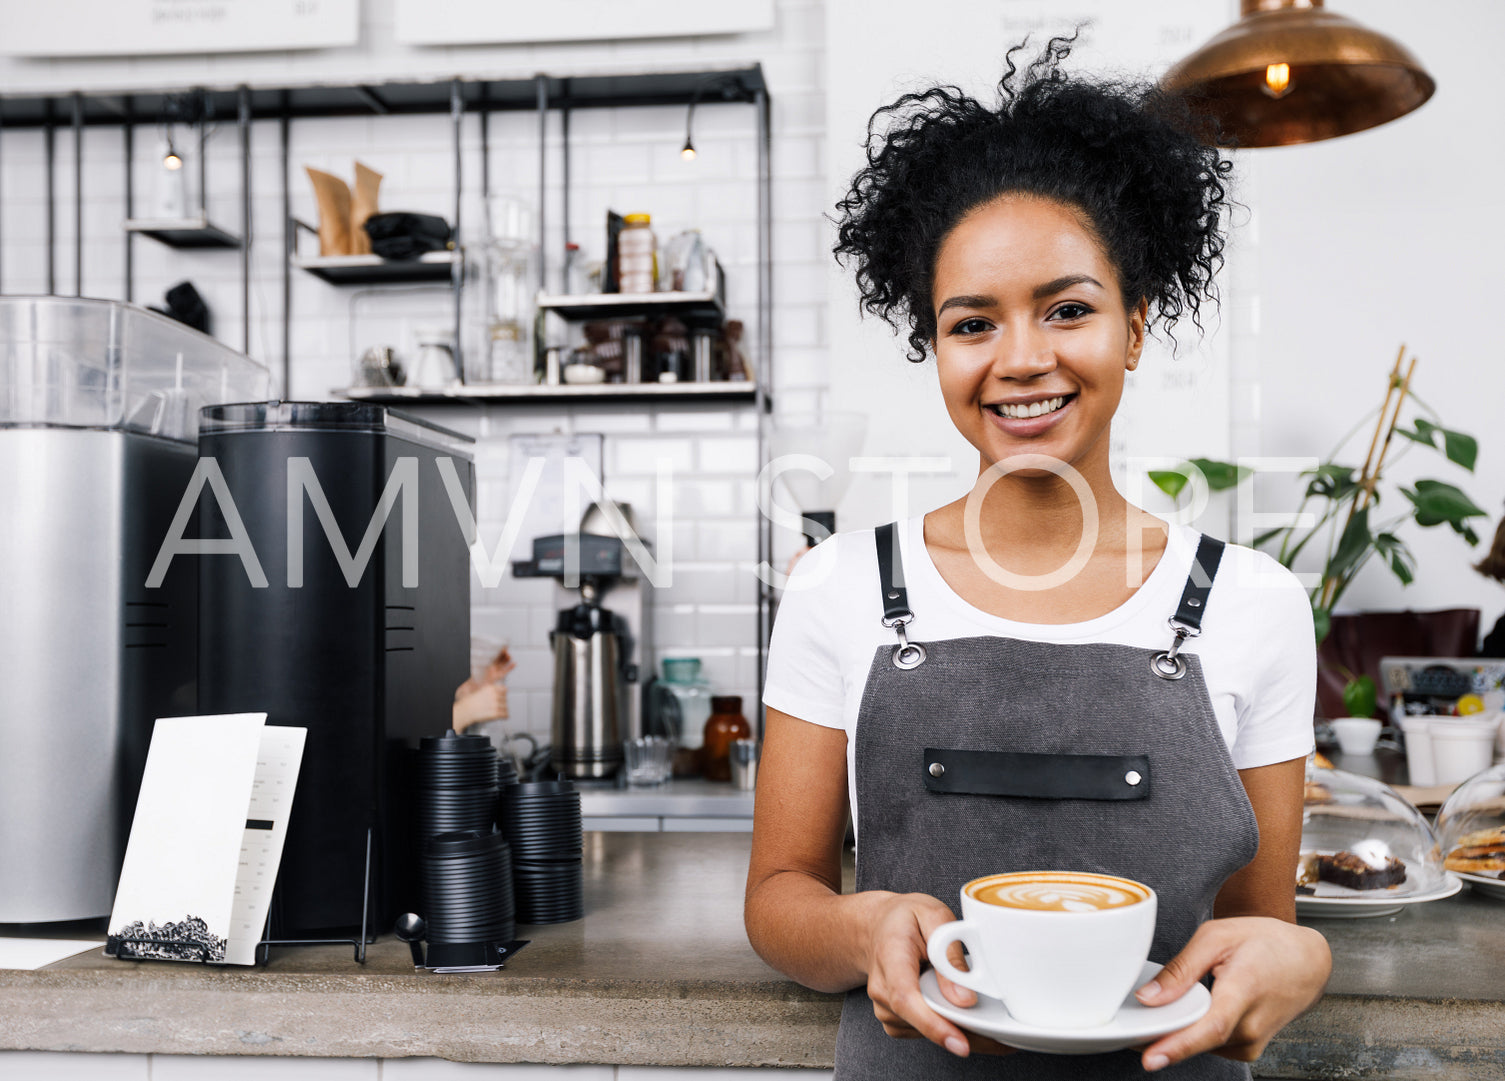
[1022, 353]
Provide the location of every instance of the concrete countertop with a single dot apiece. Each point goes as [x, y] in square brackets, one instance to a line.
[659, 972]
[689, 798]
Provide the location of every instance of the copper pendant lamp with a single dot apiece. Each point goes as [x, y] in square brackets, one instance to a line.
[1289, 71]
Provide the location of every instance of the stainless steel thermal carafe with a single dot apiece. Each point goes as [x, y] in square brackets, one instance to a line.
[586, 720]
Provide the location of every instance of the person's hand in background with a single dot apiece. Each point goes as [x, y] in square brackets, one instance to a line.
[484, 699]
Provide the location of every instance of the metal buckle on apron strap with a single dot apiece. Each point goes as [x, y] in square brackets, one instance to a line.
[907, 654]
[1168, 663]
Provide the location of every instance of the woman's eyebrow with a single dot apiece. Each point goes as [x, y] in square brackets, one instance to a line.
[966, 302]
[1050, 288]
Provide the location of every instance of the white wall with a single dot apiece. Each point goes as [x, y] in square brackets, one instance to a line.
[625, 159]
[1389, 236]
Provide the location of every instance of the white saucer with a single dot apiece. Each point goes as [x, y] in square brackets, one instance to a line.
[1132, 1026]
[1358, 903]
[1488, 886]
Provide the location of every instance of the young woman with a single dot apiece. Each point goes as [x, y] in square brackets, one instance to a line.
[1028, 247]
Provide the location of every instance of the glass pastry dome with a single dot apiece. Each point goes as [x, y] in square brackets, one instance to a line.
[1471, 831]
[1361, 840]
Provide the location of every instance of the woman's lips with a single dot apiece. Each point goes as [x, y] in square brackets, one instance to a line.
[1024, 427]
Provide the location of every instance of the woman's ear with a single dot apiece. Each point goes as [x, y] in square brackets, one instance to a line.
[1138, 318]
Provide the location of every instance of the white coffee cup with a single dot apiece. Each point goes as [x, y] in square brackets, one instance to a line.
[1060, 949]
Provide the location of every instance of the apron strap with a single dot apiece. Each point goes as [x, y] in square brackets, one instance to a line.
[896, 613]
[1187, 622]
[891, 575]
[1204, 569]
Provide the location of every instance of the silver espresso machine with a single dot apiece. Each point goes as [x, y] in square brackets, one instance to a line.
[99, 410]
[601, 643]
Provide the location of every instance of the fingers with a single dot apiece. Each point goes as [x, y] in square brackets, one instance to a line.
[955, 993]
[1213, 1031]
[910, 1006]
[894, 975]
[1196, 960]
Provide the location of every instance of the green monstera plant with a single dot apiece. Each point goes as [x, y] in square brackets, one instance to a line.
[1349, 527]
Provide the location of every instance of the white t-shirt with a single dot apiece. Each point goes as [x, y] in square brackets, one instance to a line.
[1257, 648]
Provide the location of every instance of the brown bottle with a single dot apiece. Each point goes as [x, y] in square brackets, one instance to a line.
[726, 724]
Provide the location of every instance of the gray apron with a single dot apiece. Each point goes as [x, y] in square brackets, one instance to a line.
[979, 755]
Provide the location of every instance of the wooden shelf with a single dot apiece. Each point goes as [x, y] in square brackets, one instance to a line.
[183, 232]
[613, 393]
[435, 266]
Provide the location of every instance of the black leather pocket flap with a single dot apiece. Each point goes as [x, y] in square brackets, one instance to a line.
[1037, 776]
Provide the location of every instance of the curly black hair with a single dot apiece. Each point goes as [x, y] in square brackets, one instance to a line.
[1120, 152]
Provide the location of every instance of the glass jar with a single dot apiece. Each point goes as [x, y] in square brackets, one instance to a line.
[510, 290]
[725, 724]
[682, 702]
[637, 260]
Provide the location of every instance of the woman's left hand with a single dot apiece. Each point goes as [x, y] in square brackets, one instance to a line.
[1266, 972]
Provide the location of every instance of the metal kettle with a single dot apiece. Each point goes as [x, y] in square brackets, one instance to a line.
[586, 713]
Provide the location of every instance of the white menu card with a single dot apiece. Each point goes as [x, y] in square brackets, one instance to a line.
[206, 839]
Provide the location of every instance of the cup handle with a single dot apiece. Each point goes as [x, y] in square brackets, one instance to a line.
[976, 978]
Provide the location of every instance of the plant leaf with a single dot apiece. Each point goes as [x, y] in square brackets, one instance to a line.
[1322, 622]
[1221, 475]
[1436, 502]
[1352, 546]
[1169, 481]
[1359, 697]
[1395, 552]
[1331, 481]
[1461, 449]
[1425, 430]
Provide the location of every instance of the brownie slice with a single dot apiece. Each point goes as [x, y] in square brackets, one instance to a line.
[1347, 869]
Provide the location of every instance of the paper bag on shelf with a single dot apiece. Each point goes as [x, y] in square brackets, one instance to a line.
[362, 206]
[333, 196]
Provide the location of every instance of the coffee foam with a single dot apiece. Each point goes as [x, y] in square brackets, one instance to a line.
[1057, 891]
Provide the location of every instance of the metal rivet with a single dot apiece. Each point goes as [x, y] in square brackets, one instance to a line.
[936, 769]
[1133, 777]
[894, 595]
[1193, 602]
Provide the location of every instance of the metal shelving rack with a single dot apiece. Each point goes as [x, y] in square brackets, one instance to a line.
[542, 94]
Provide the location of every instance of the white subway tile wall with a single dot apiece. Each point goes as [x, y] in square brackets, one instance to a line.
[624, 159]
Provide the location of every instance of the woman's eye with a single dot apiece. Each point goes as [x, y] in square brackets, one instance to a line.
[1069, 312]
[970, 326]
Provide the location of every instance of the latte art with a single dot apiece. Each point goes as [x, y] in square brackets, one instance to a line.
[1058, 892]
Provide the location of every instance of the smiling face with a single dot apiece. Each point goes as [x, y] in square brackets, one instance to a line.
[1032, 337]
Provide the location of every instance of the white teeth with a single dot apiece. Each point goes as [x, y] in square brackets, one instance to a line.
[1034, 409]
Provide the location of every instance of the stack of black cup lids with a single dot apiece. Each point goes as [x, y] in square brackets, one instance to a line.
[457, 785]
[467, 889]
[541, 820]
[506, 771]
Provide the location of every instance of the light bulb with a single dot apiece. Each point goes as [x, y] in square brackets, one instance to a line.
[688, 153]
[1277, 80]
[171, 162]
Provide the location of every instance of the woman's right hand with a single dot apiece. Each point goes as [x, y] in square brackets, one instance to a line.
[900, 927]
